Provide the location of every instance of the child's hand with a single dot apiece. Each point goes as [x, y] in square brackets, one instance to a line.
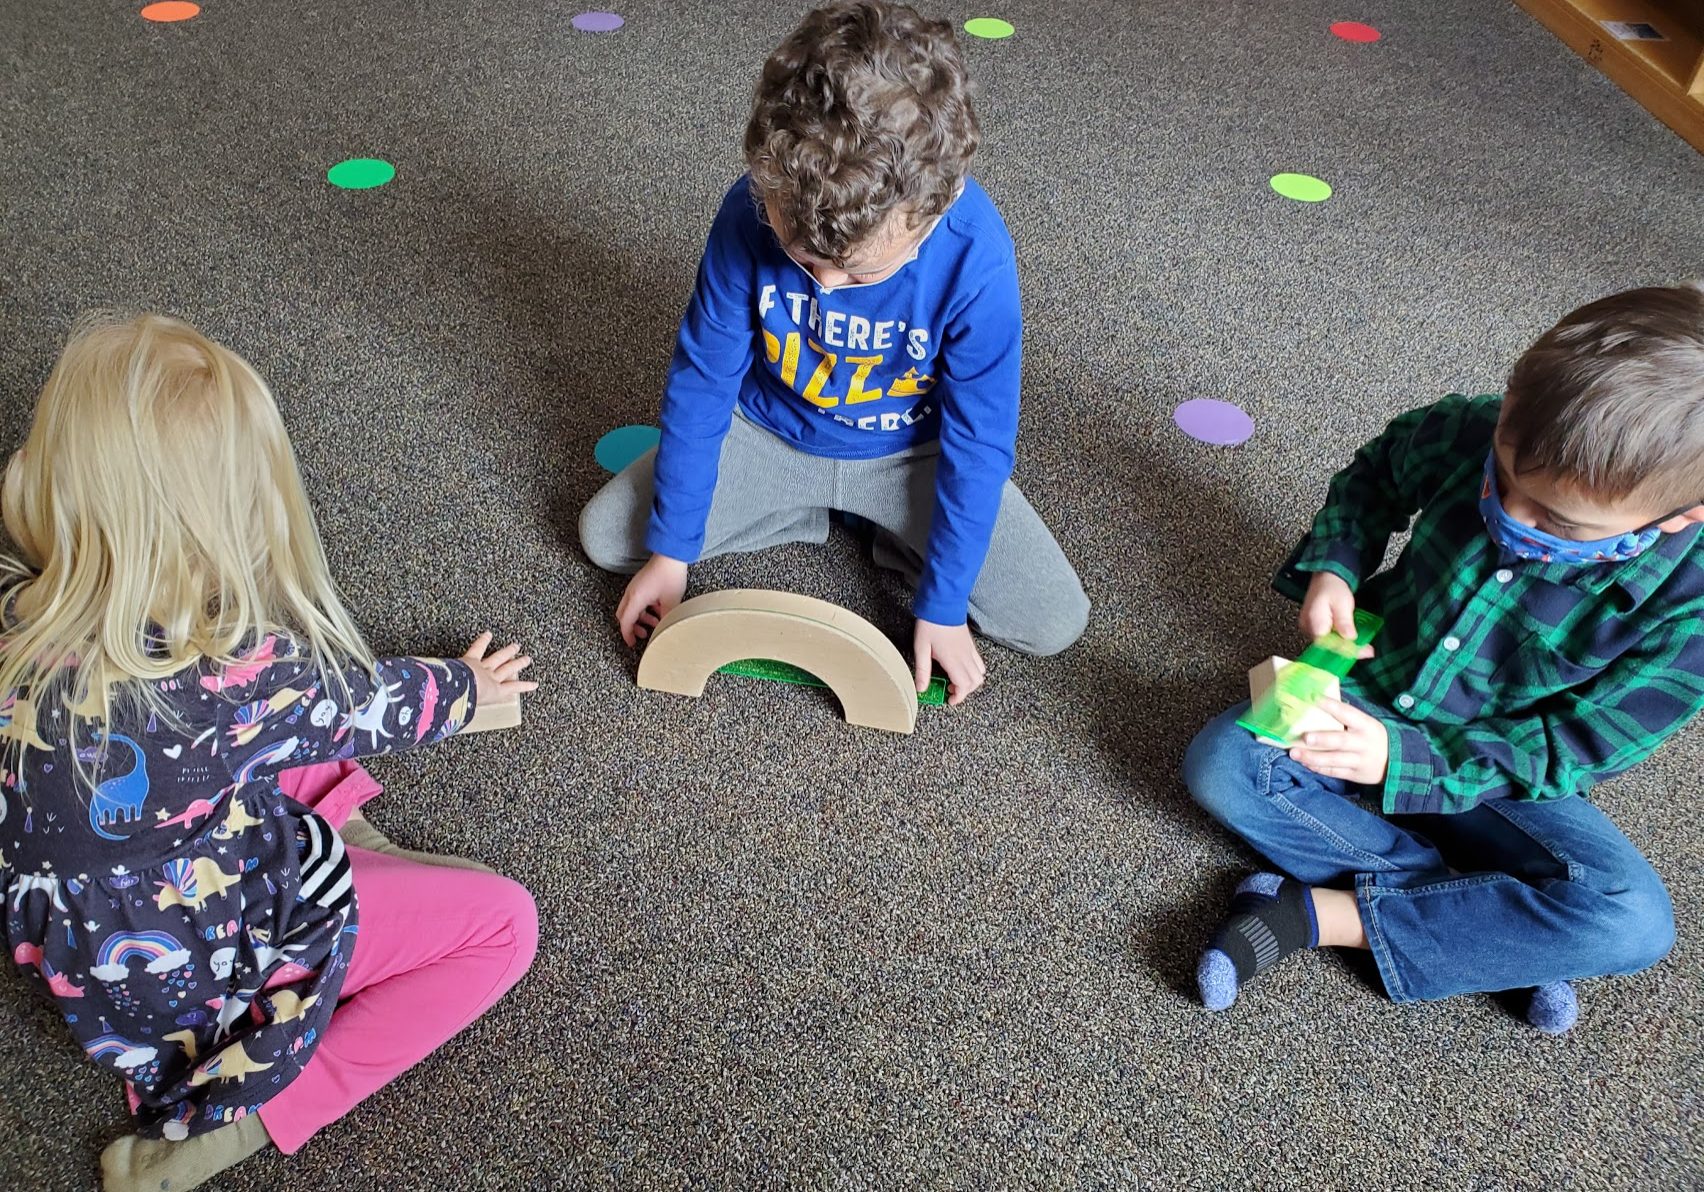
[953, 647]
[495, 677]
[654, 589]
[1330, 604]
[1358, 752]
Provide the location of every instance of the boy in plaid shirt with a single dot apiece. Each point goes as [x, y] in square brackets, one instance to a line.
[1544, 631]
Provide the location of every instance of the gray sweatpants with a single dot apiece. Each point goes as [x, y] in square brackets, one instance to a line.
[1027, 595]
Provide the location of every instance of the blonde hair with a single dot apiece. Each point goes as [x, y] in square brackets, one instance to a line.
[159, 520]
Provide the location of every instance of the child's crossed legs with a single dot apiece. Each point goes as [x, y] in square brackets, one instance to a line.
[1539, 893]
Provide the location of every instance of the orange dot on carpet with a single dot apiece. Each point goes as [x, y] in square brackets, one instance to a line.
[171, 10]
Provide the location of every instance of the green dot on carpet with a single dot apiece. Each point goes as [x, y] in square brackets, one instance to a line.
[992, 28]
[1304, 188]
[360, 173]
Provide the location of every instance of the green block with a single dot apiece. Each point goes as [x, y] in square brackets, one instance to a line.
[1334, 653]
[786, 672]
[1300, 686]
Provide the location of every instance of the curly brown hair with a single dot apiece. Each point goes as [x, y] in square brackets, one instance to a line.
[865, 109]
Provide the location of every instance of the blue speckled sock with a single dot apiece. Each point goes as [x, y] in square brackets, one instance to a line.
[1553, 1009]
[1271, 917]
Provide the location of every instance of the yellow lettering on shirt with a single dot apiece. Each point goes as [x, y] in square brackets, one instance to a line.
[855, 391]
[812, 392]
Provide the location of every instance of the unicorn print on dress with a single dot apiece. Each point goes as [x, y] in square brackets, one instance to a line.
[288, 1005]
[260, 940]
[118, 800]
[428, 703]
[184, 1039]
[369, 718]
[58, 984]
[458, 713]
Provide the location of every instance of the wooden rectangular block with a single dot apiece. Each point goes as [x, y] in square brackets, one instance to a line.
[490, 717]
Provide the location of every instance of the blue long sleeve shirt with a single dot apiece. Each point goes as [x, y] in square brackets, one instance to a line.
[852, 372]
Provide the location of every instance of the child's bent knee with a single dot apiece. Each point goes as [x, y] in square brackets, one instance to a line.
[1216, 768]
[1041, 628]
[516, 904]
[1641, 931]
[1065, 623]
[606, 537]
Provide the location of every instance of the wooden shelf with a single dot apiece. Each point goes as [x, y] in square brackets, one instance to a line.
[1666, 76]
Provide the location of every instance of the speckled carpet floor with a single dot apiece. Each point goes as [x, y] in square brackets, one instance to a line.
[779, 951]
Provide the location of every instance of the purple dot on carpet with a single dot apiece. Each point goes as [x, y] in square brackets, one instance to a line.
[597, 22]
[1213, 421]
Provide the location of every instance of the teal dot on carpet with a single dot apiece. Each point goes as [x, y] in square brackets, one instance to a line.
[623, 445]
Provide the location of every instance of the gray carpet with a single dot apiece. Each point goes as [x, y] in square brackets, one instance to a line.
[780, 951]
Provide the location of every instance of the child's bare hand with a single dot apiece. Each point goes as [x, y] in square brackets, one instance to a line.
[653, 591]
[1330, 604]
[954, 648]
[495, 676]
[1358, 752]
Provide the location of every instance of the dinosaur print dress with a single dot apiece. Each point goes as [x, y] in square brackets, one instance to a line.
[192, 924]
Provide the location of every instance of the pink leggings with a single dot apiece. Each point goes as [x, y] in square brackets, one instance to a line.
[435, 949]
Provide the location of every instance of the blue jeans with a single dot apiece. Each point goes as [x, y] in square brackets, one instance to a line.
[1508, 895]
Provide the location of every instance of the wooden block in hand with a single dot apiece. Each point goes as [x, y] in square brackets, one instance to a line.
[492, 716]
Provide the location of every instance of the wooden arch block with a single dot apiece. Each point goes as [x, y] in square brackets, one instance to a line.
[857, 661]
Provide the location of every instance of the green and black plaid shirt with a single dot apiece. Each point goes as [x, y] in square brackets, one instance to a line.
[1499, 678]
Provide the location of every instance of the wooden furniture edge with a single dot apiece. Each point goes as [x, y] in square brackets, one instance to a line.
[1665, 99]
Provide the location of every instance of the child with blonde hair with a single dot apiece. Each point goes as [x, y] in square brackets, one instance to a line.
[183, 697]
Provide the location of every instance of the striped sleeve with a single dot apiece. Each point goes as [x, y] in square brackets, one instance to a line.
[326, 878]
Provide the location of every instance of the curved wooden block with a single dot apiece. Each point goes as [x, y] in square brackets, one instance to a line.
[860, 665]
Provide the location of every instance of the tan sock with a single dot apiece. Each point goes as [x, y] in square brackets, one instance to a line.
[134, 1164]
[360, 833]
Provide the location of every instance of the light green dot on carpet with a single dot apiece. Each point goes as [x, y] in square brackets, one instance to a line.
[1304, 188]
[992, 28]
[360, 173]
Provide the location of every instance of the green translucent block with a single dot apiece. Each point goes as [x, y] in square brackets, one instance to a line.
[786, 672]
[1300, 686]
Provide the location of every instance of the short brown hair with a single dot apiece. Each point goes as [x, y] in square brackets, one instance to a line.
[1611, 399]
[863, 110]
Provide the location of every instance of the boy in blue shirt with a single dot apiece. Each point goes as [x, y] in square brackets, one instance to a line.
[852, 346]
